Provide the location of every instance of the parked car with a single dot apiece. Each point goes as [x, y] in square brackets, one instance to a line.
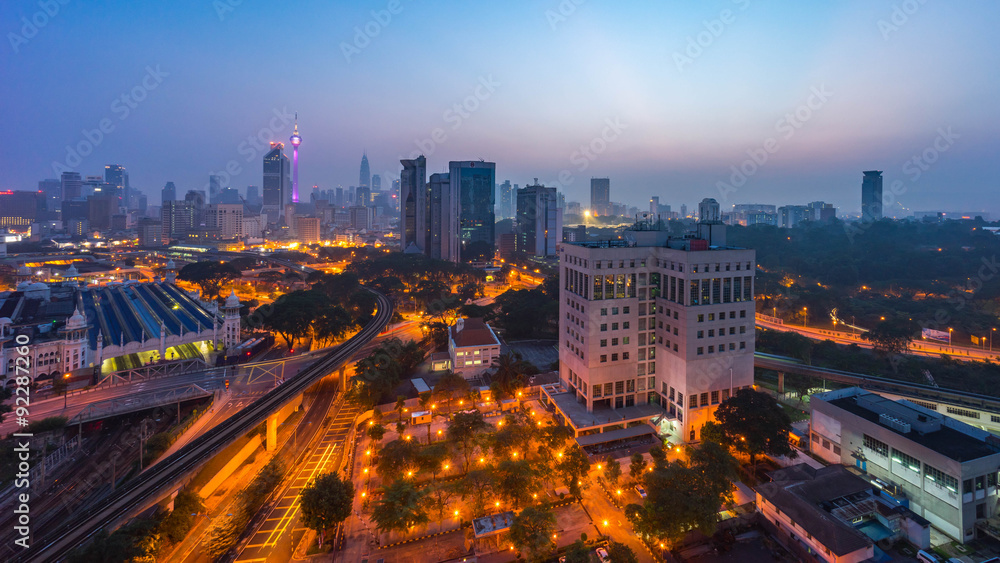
[603, 555]
[641, 491]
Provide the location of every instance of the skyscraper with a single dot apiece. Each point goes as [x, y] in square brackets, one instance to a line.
[443, 218]
[72, 184]
[871, 196]
[376, 183]
[275, 181]
[116, 175]
[413, 206]
[600, 196]
[168, 193]
[53, 193]
[253, 195]
[506, 200]
[366, 175]
[475, 184]
[539, 220]
[364, 196]
[296, 140]
[214, 188]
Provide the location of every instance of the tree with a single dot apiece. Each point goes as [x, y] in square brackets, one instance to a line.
[209, 276]
[578, 552]
[637, 467]
[400, 405]
[464, 430]
[891, 337]
[526, 313]
[621, 553]
[425, 405]
[398, 457]
[752, 422]
[658, 454]
[511, 374]
[573, 466]
[400, 508]
[612, 470]
[292, 315]
[515, 481]
[60, 385]
[432, 458]
[376, 432]
[449, 386]
[437, 500]
[532, 530]
[325, 502]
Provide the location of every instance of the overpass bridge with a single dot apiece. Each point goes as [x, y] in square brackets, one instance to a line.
[978, 410]
[55, 544]
[139, 402]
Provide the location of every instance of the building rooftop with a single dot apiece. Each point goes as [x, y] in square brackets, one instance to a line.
[928, 428]
[809, 496]
[472, 332]
[567, 404]
[491, 525]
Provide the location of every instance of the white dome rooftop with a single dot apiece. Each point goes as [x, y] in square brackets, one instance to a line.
[77, 320]
[232, 300]
[171, 265]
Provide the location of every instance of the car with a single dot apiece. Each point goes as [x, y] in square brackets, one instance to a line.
[927, 557]
[602, 554]
[641, 491]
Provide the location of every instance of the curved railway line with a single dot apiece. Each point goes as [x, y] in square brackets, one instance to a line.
[56, 544]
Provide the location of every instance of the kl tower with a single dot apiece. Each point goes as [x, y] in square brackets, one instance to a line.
[296, 141]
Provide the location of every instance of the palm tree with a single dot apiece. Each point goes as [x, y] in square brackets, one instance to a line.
[511, 374]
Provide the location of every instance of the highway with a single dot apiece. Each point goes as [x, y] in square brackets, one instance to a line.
[159, 479]
[874, 383]
[918, 348]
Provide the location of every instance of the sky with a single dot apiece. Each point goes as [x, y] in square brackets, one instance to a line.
[741, 100]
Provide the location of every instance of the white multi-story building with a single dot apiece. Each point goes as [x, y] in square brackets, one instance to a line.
[227, 217]
[472, 346]
[652, 326]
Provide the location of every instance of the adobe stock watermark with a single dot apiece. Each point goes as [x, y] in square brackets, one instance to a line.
[563, 11]
[588, 153]
[785, 128]
[899, 17]
[714, 28]
[225, 7]
[255, 145]
[914, 168]
[122, 108]
[456, 116]
[31, 26]
[365, 34]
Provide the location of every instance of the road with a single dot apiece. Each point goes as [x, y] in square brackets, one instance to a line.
[279, 534]
[919, 348]
[55, 544]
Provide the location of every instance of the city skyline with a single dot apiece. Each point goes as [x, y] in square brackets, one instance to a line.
[673, 103]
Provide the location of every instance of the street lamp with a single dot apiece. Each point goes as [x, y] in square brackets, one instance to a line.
[991, 339]
[949, 336]
[805, 313]
[66, 389]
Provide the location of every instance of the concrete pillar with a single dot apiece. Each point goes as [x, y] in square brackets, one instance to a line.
[781, 382]
[343, 378]
[272, 432]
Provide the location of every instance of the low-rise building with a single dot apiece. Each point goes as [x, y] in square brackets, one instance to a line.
[473, 346]
[942, 469]
[833, 515]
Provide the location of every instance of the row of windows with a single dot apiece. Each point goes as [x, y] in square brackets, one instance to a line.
[722, 348]
[962, 412]
[721, 316]
[722, 332]
[875, 445]
[980, 483]
[614, 311]
[941, 478]
[905, 460]
[614, 342]
[613, 286]
[708, 398]
[614, 326]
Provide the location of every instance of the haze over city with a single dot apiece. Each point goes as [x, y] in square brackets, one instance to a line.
[690, 88]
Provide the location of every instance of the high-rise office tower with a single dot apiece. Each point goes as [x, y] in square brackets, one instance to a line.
[600, 196]
[168, 193]
[214, 188]
[655, 329]
[253, 195]
[443, 241]
[275, 184]
[71, 184]
[338, 198]
[539, 220]
[363, 196]
[366, 175]
[117, 176]
[296, 140]
[475, 184]
[506, 200]
[53, 193]
[177, 217]
[654, 206]
[376, 183]
[871, 196]
[413, 205]
[394, 195]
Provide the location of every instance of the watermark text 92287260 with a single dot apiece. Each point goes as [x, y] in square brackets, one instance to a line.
[22, 440]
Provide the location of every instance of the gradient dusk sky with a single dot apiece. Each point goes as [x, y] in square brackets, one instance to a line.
[694, 90]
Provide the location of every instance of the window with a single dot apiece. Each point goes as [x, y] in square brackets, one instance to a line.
[614, 357]
[701, 351]
[624, 310]
[701, 334]
[604, 328]
[693, 403]
[614, 310]
[609, 388]
[743, 330]
[701, 318]
[614, 326]
[876, 446]
[604, 343]
[715, 397]
[732, 314]
[652, 367]
[625, 340]
[732, 346]
[604, 358]
[836, 449]
[625, 325]
[630, 386]
[743, 314]
[604, 312]
[680, 398]
[614, 342]
[711, 349]
[711, 332]
[671, 393]
[732, 330]
[704, 399]
[619, 387]
[941, 478]
[905, 460]
[743, 345]
[624, 355]
[962, 412]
